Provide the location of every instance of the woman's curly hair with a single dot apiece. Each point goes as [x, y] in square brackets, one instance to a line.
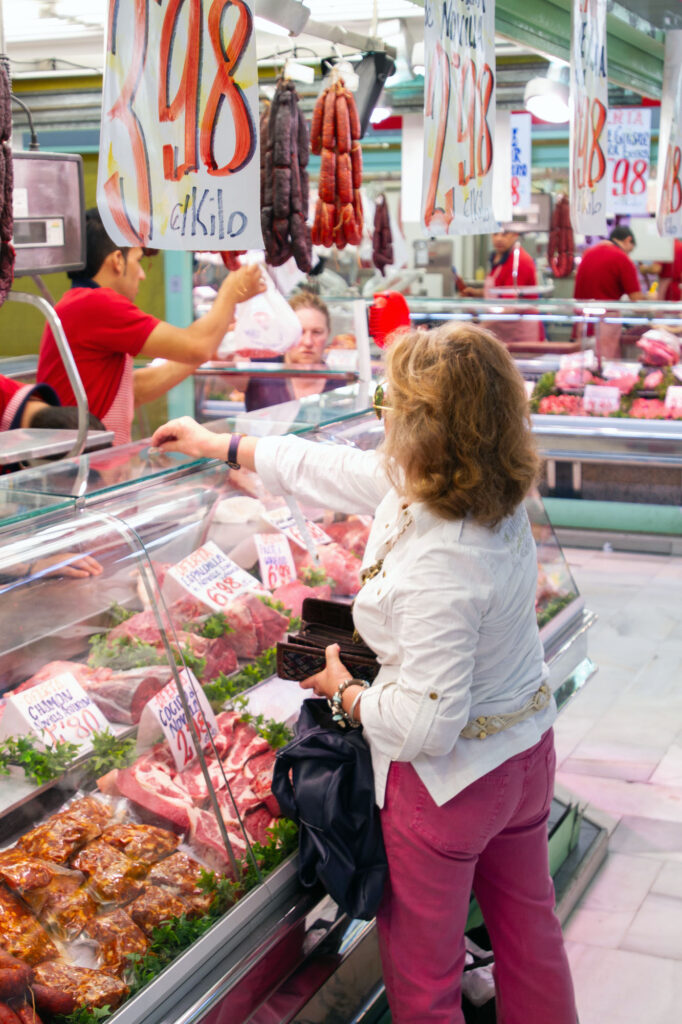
[458, 437]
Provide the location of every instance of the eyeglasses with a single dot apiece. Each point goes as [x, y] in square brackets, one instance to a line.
[379, 401]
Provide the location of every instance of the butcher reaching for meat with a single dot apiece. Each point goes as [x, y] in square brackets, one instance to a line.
[459, 718]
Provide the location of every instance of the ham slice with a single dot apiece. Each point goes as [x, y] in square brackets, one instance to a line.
[122, 696]
[151, 788]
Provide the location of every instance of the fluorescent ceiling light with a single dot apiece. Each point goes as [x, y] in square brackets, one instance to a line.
[547, 97]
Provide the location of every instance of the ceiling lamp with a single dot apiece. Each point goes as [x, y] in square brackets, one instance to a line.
[546, 97]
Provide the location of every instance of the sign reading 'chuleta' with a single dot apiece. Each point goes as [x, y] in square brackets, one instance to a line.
[179, 153]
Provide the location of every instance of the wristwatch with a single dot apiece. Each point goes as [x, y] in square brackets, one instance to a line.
[232, 450]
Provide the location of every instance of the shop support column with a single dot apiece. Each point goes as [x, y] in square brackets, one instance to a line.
[179, 311]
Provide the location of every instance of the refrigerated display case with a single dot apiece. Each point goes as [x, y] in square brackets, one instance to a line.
[123, 632]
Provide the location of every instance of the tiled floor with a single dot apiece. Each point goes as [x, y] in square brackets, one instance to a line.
[619, 747]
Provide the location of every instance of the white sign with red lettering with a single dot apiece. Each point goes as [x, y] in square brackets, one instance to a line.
[673, 398]
[211, 576]
[179, 150]
[275, 559]
[165, 710]
[589, 106]
[284, 521]
[601, 400]
[629, 134]
[55, 711]
[520, 160]
[459, 117]
[669, 172]
[578, 360]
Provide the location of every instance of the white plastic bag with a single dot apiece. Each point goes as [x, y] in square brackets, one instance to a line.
[266, 325]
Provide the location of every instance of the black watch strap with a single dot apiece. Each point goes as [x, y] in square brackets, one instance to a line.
[232, 450]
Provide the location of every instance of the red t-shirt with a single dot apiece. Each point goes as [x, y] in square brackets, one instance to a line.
[102, 328]
[606, 272]
[13, 398]
[503, 273]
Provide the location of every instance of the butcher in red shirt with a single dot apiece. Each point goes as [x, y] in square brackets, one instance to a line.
[106, 330]
[606, 272]
[21, 403]
[511, 268]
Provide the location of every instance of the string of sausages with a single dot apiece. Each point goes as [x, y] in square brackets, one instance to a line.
[560, 248]
[382, 239]
[284, 181]
[7, 254]
[335, 135]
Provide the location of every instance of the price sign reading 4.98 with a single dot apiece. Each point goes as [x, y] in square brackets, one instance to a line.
[588, 129]
[669, 175]
[179, 153]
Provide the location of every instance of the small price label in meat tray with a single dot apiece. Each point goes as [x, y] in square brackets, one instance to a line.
[55, 711]
[275, 559]
[673, 399]
[601, 400]
[284, 521]
[165, 709]
[211, 576]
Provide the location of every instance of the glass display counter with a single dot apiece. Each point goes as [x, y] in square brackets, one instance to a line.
[138, 628]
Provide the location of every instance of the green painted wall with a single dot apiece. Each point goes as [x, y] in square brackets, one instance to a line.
[21, 326]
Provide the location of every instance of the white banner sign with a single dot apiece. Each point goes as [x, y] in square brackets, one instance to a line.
[520, 160]
[629, 145]
[459, 117]
[179, 157]
[668, 182]
[589, 106]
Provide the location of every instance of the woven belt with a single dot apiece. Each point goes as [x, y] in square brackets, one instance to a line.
[487, 725]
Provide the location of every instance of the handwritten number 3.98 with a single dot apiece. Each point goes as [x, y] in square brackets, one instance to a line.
[199, 136]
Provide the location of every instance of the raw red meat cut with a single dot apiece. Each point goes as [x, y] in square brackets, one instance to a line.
[243, 638]
[258, 770]
[292, 595]
[257, 822]
[246, 743]
[206, 840]
[351, 534]
[148, 786]
[341, 567]
[192, 781]
[272, 623]
[239, 793]
[122, 696]
[83, 674]
[220, 657]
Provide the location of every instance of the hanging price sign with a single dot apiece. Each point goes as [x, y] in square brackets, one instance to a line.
[668, 180]
[179, 154]
[520, 160]
[589, 107]
[211, 576]
[629, 143]
[459, 105]
[275, 559]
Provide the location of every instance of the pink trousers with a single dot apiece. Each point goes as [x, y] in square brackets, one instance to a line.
[492, 838]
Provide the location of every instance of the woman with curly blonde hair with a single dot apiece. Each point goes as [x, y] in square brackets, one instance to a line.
[459, 718]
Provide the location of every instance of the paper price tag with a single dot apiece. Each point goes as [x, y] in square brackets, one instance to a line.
[283, 520]
[611, 370]
[601, 400]
[211, 576]
[578, 360]
[56, 711]
[275, 559]
[673, 398]
[166, 708]
[342, 359]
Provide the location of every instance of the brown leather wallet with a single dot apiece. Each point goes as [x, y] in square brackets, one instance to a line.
[323, 623]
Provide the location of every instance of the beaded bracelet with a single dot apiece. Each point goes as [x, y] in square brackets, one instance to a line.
[340, 716]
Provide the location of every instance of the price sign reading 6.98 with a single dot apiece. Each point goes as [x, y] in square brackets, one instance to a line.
[179, 137]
